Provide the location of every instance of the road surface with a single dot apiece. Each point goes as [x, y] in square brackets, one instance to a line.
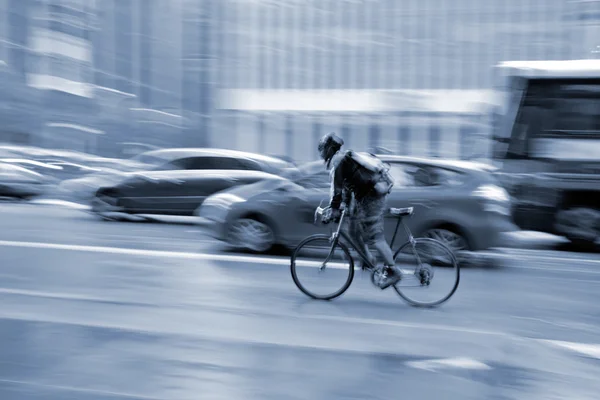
[96, 310]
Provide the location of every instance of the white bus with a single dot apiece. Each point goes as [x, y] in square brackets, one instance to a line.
[547, 144]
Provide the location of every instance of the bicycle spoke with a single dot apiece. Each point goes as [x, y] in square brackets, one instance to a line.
[433, 279]
[319, 271]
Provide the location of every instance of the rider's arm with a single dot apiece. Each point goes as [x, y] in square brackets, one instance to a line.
[337, 187]
[346, 197]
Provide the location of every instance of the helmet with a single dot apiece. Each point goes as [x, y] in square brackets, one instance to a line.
[329, 145]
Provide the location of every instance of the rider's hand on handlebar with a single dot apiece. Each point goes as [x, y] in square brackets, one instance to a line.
[331, 214]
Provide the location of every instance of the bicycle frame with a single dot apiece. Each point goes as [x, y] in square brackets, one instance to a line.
[339, 232]
[419, 276]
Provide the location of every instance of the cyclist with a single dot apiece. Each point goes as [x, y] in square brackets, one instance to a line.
[367, 217]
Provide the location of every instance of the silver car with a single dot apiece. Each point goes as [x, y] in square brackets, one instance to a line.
[457, 202]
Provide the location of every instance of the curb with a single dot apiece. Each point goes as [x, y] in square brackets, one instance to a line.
[532, 240]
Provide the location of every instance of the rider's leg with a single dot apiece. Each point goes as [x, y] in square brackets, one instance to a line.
[365, 249]
[391, 274]
[385, 251]
[357, 234]
[373, 226]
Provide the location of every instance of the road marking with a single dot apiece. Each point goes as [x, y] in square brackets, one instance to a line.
[251, 259]
[146, 253]
[80, 390]
[458, 363]
[148, 240]
[589, 350]
[162, 253]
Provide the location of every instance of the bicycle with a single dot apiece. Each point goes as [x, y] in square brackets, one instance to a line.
[422, 275]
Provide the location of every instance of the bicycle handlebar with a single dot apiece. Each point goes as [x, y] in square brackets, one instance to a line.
[320, 210]
[319, 213]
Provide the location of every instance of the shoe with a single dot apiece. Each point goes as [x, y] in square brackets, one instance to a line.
[391, 276]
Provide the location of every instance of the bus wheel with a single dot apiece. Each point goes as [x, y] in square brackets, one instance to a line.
[581, 226]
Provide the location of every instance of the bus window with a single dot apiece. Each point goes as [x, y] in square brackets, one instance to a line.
[511, 90]
[529, 122]
[551, 110]
[578, 115]
[573, 131]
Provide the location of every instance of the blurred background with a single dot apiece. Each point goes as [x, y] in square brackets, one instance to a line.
[115, 77]
[159, 165]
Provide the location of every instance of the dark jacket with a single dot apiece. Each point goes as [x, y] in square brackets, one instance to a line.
[345, 180]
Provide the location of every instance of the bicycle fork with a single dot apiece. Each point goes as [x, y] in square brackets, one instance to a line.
[334, 239]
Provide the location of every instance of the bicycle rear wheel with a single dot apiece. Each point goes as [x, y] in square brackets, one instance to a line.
[429, 277]
[309, 275]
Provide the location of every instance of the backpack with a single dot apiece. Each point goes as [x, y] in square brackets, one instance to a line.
[370, 173]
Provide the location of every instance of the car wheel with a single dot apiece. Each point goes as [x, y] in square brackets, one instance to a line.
[450, 238]
[104, 205]
[251, 234]
[581, 226]
[454, 240]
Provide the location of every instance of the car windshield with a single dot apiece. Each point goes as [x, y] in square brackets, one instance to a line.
[304, 170]
[149, 159]
[309, 175]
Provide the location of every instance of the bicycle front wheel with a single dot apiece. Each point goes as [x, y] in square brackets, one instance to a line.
[430, 272]
[320, 271]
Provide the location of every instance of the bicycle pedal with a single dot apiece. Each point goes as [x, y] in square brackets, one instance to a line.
[387, 285]
[389, 282]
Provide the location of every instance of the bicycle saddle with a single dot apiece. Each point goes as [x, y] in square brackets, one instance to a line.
[401, 212]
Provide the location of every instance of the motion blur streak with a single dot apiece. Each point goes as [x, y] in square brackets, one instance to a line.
[159, 165]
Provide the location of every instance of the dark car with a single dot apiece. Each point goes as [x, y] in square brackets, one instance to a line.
[168, 192]
[458, 202]
[84, 189]
[202, 159]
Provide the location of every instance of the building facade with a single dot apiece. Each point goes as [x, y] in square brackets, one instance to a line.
[92, 75]
[18, 102]
[157, 53]
[60, 68]
[271, 76]
[414, 75]
[137, 61]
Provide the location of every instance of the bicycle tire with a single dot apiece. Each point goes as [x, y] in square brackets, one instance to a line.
[455, 265]
[302, 288]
